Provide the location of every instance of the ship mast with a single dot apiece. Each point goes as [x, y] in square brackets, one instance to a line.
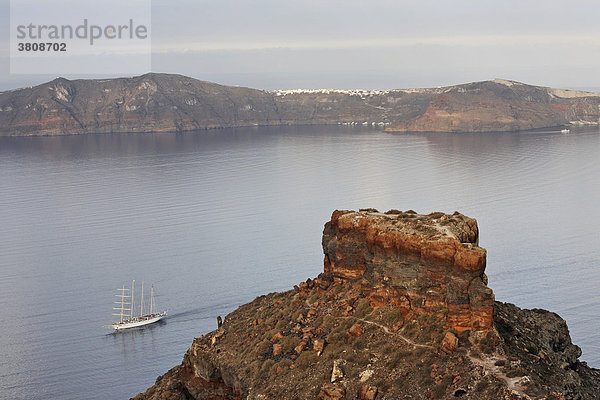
[132, 286]
[125, 306]
[123, 303]
[142, 302]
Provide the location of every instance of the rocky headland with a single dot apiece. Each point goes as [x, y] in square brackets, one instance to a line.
[175, 103]
[401, 311]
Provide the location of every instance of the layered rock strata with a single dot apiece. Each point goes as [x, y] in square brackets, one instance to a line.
[416, 263]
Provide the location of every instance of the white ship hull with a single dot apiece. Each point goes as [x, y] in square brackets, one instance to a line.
[126, 312]
[137, 322]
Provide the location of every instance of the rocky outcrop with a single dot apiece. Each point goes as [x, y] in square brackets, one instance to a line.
[359, 330]
[175, 103]
[537, 343]
[417, 263]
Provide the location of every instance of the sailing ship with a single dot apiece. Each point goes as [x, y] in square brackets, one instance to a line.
[126, 310]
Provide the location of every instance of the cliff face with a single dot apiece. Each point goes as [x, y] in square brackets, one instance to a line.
[164, 102]
[401, 311]
[149, 103]
[413, 262]
[502, 106]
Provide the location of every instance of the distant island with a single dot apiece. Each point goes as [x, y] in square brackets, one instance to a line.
[174, 103]
[402, 310]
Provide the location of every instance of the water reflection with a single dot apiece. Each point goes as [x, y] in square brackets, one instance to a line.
[137, 342]
[219, 217]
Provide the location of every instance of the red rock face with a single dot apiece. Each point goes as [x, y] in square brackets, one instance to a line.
[417, 263]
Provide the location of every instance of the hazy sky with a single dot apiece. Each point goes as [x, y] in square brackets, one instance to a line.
[367, 44]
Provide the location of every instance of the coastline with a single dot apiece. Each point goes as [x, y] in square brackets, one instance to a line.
[155, 103]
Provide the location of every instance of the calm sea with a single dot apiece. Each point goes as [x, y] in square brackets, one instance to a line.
[215, 218]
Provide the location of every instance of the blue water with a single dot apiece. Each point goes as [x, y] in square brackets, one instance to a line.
[215, 218]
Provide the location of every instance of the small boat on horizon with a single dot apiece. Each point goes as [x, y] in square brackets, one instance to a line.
[126, 310]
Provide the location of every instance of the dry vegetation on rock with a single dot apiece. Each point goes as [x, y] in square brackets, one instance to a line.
[331, 338]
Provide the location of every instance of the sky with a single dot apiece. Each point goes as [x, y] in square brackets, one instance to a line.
[369, 44]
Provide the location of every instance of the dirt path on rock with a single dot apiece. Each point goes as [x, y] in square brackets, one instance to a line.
[383, 327]
[386, 330]
[488, 364]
